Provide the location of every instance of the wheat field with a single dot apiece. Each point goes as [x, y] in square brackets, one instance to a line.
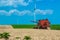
[35, 34]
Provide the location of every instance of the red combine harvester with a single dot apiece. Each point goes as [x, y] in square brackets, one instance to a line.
[42, 24]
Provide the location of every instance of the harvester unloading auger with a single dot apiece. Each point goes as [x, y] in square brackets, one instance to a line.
[42, 24]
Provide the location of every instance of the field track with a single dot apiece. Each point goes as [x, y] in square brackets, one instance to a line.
[6, 27]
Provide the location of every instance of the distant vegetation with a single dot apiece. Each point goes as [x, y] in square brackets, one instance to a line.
[23, 26]
[53, 27]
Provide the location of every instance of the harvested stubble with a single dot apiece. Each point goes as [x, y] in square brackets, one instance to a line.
[35, 34]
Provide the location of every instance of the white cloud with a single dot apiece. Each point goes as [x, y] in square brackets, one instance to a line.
[43, 12]
[25, 12]
[3, 12]
[14, 2]
[15, 12]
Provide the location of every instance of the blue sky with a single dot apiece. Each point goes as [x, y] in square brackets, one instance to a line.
[22, 11]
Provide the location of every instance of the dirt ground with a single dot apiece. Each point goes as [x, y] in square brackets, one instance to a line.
[6, 27]
[35, 34]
